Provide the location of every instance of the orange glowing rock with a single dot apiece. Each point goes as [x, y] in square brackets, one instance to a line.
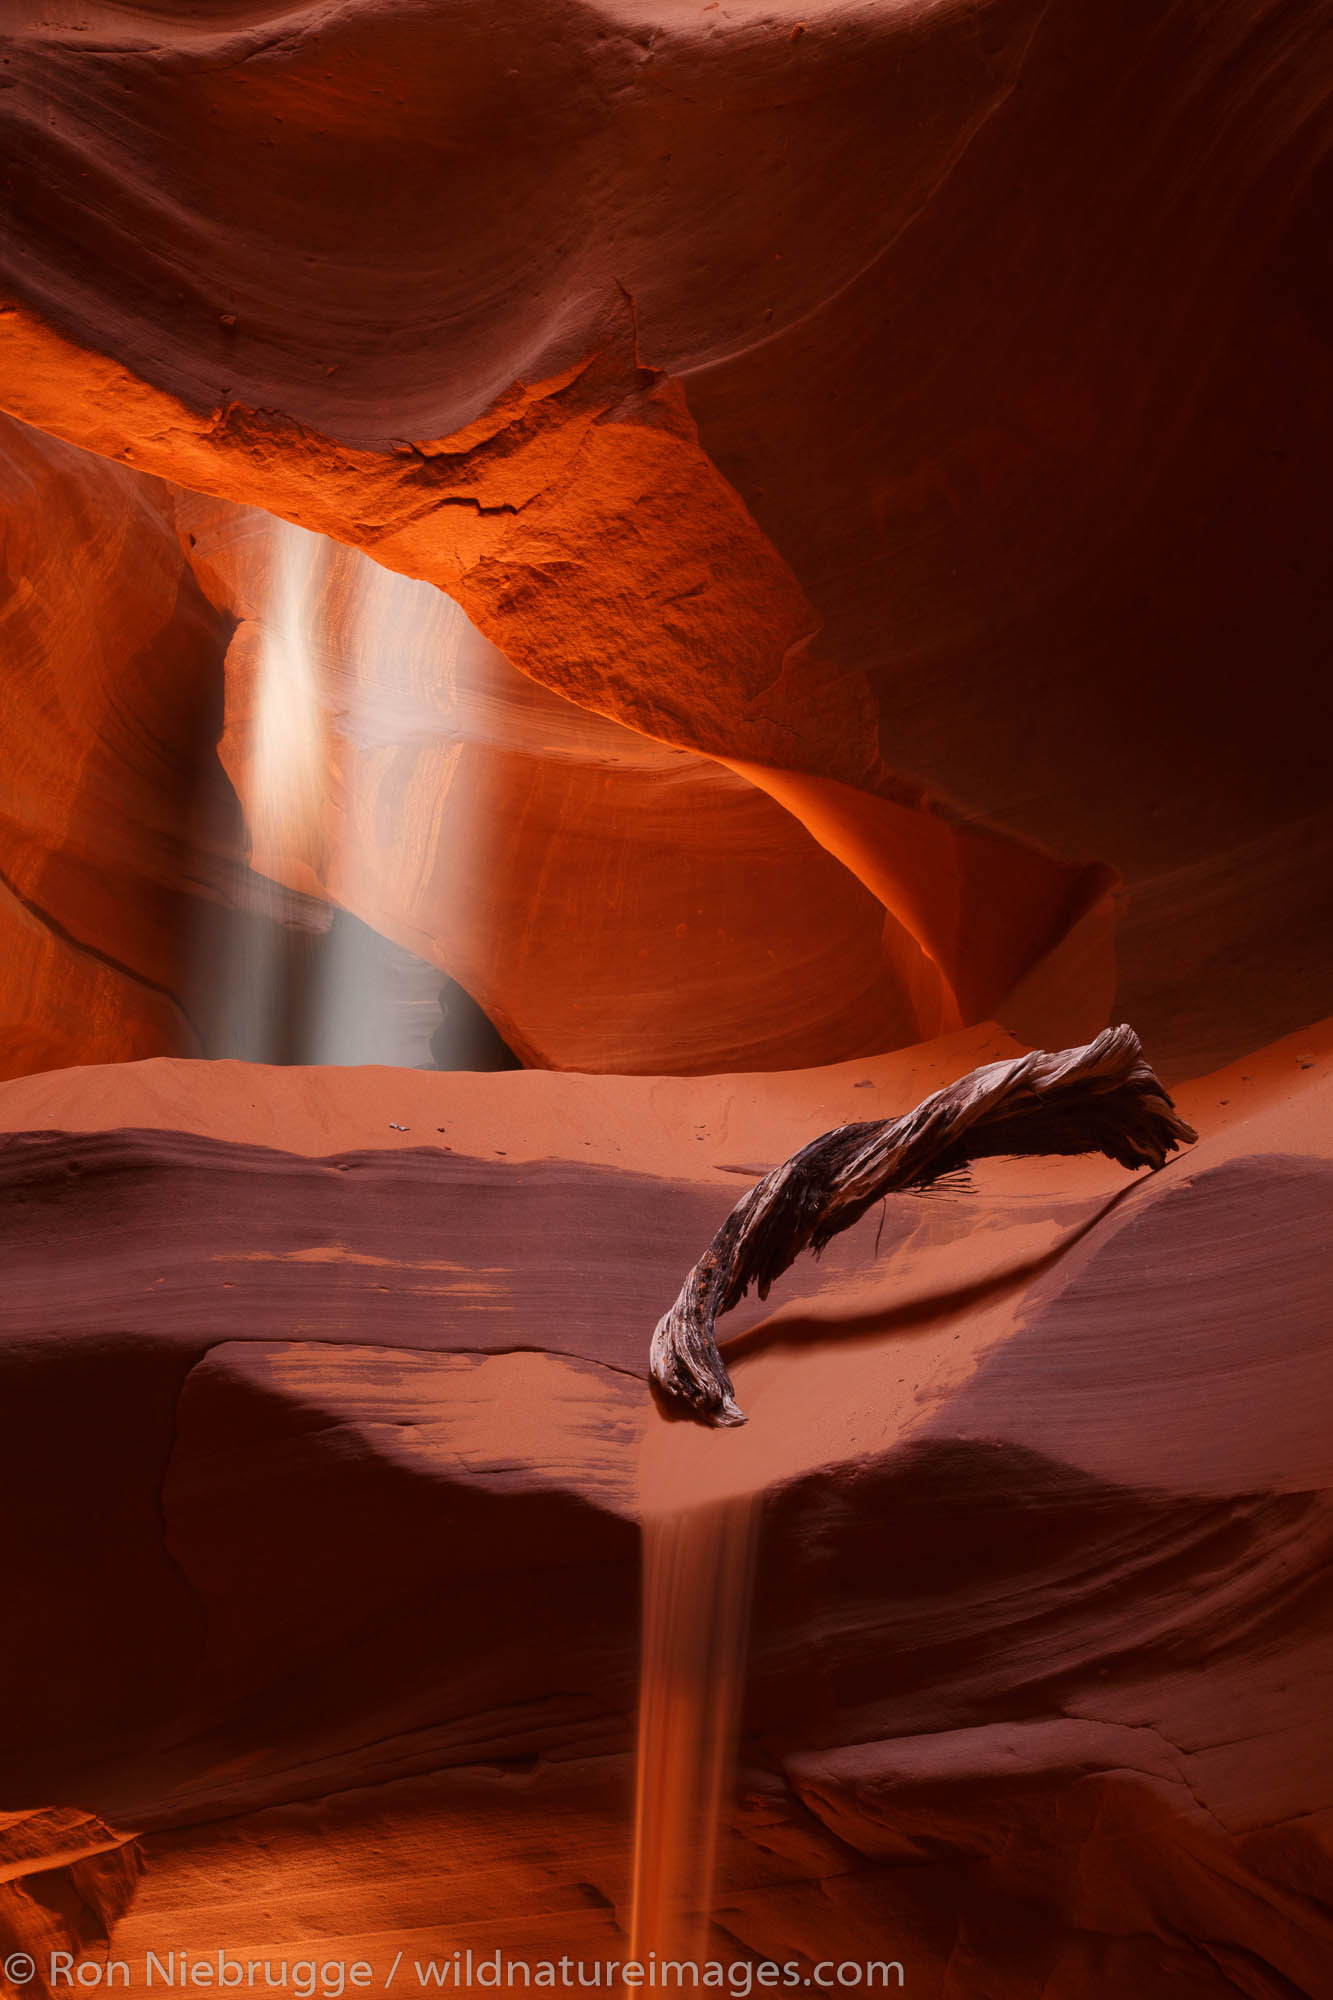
[375, 1429]
[611, 902]
[881, 452]
[109, 709]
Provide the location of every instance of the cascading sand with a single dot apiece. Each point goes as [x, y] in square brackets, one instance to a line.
[698, 1567]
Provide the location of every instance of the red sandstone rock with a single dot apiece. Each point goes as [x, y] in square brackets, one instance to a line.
[920, 411]
[564, 523]
[108, 694]
[611, 903]
[1030, 408]
[1039, 1627]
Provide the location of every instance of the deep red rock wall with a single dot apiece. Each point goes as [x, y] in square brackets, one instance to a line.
[1020, 375]
[891, 443]
[110, 708]
[1041, 1627]
[612, 903]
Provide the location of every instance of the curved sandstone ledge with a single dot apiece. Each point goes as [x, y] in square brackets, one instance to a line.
[590, 538]
[1004, 456]
[304, 1442]
[919, 410]
[609, 901]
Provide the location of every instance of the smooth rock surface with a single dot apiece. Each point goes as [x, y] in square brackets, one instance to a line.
[997, 468]
[1039, 1662]
[611, 903]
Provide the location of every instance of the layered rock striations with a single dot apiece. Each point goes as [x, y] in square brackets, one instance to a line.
[611, 903]
[110, 710]
[1040, 1645]
[787, 536]
[1004, 360]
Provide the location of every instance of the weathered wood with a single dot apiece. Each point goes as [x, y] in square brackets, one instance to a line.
[1100, 1099]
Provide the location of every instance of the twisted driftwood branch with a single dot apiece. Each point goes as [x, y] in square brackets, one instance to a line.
[1099, 1099]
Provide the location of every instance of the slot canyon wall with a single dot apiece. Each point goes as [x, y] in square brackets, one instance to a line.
[807, 530]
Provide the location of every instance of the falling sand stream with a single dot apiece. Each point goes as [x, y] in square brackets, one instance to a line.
[698, 1566]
